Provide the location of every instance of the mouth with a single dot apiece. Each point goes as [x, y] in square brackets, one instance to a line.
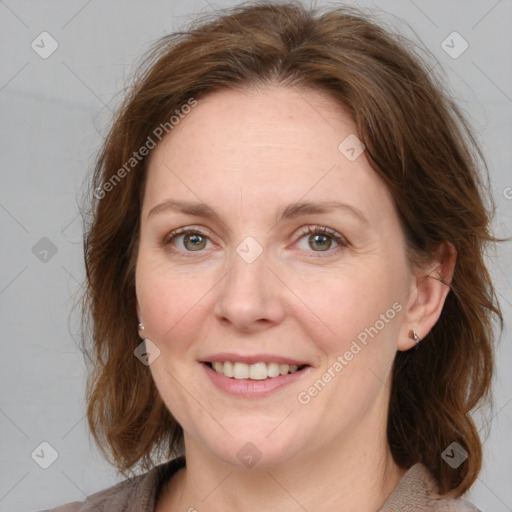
[256, 371]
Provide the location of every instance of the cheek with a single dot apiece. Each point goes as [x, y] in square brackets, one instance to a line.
[359, 345]
[170, 301]
[170, 304]
[337, 309]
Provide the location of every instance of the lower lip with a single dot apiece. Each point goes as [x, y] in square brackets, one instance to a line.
[248, 388]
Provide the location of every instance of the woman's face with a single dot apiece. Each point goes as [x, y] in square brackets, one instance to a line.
[271, 272]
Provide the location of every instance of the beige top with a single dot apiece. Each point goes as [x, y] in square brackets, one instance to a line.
[417, 491]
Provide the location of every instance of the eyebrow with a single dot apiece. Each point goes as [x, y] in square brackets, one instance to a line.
[289, 212]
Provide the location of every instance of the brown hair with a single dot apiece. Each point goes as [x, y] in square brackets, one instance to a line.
[416, 139]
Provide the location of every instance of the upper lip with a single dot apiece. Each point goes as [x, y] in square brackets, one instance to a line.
[251, 359]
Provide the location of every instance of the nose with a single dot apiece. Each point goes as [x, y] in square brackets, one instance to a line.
[250, 296]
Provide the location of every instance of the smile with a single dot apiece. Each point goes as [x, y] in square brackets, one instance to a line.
[256, 371]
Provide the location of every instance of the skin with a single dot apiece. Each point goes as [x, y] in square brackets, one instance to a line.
[246, 154]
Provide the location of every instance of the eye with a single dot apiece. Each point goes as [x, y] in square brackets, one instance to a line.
[321, 239]
[192, 240]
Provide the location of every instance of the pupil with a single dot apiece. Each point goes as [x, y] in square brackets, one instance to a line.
[195, 239]
[321, 239]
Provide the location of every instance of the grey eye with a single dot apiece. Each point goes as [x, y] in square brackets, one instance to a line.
[196, 241]
[322, 242]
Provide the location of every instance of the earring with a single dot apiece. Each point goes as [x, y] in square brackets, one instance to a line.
[414, 336]
[140, 326]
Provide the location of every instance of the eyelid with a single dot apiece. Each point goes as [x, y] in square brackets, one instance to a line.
[184, 231]
[313, 230]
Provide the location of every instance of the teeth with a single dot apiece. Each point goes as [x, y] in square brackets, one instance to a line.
[256, 371]
[272, 369]
[228, 369]
[240, 370]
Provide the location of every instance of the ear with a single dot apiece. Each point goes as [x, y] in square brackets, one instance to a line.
[427, 294]
[137, 309]
[139, 319]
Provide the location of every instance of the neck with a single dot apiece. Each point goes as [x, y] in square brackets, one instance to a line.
[353, 473]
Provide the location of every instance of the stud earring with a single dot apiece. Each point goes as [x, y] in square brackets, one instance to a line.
[414, 336]
[140, 326]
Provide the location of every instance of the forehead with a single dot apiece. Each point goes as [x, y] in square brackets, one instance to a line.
[242, 120]
[275, 145]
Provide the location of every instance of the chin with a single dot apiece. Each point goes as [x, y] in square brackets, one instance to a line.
[254, 449]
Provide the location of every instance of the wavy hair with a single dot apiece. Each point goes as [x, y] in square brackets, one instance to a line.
[416, 139]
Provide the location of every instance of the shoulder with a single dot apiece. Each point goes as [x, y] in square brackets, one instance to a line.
[418, 490]
[138, 493]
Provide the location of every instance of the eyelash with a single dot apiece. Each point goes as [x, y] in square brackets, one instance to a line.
[307, 230]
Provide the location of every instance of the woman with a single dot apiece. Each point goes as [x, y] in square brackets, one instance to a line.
[288, 213]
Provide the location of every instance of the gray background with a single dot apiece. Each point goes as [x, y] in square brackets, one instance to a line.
[53, 115]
